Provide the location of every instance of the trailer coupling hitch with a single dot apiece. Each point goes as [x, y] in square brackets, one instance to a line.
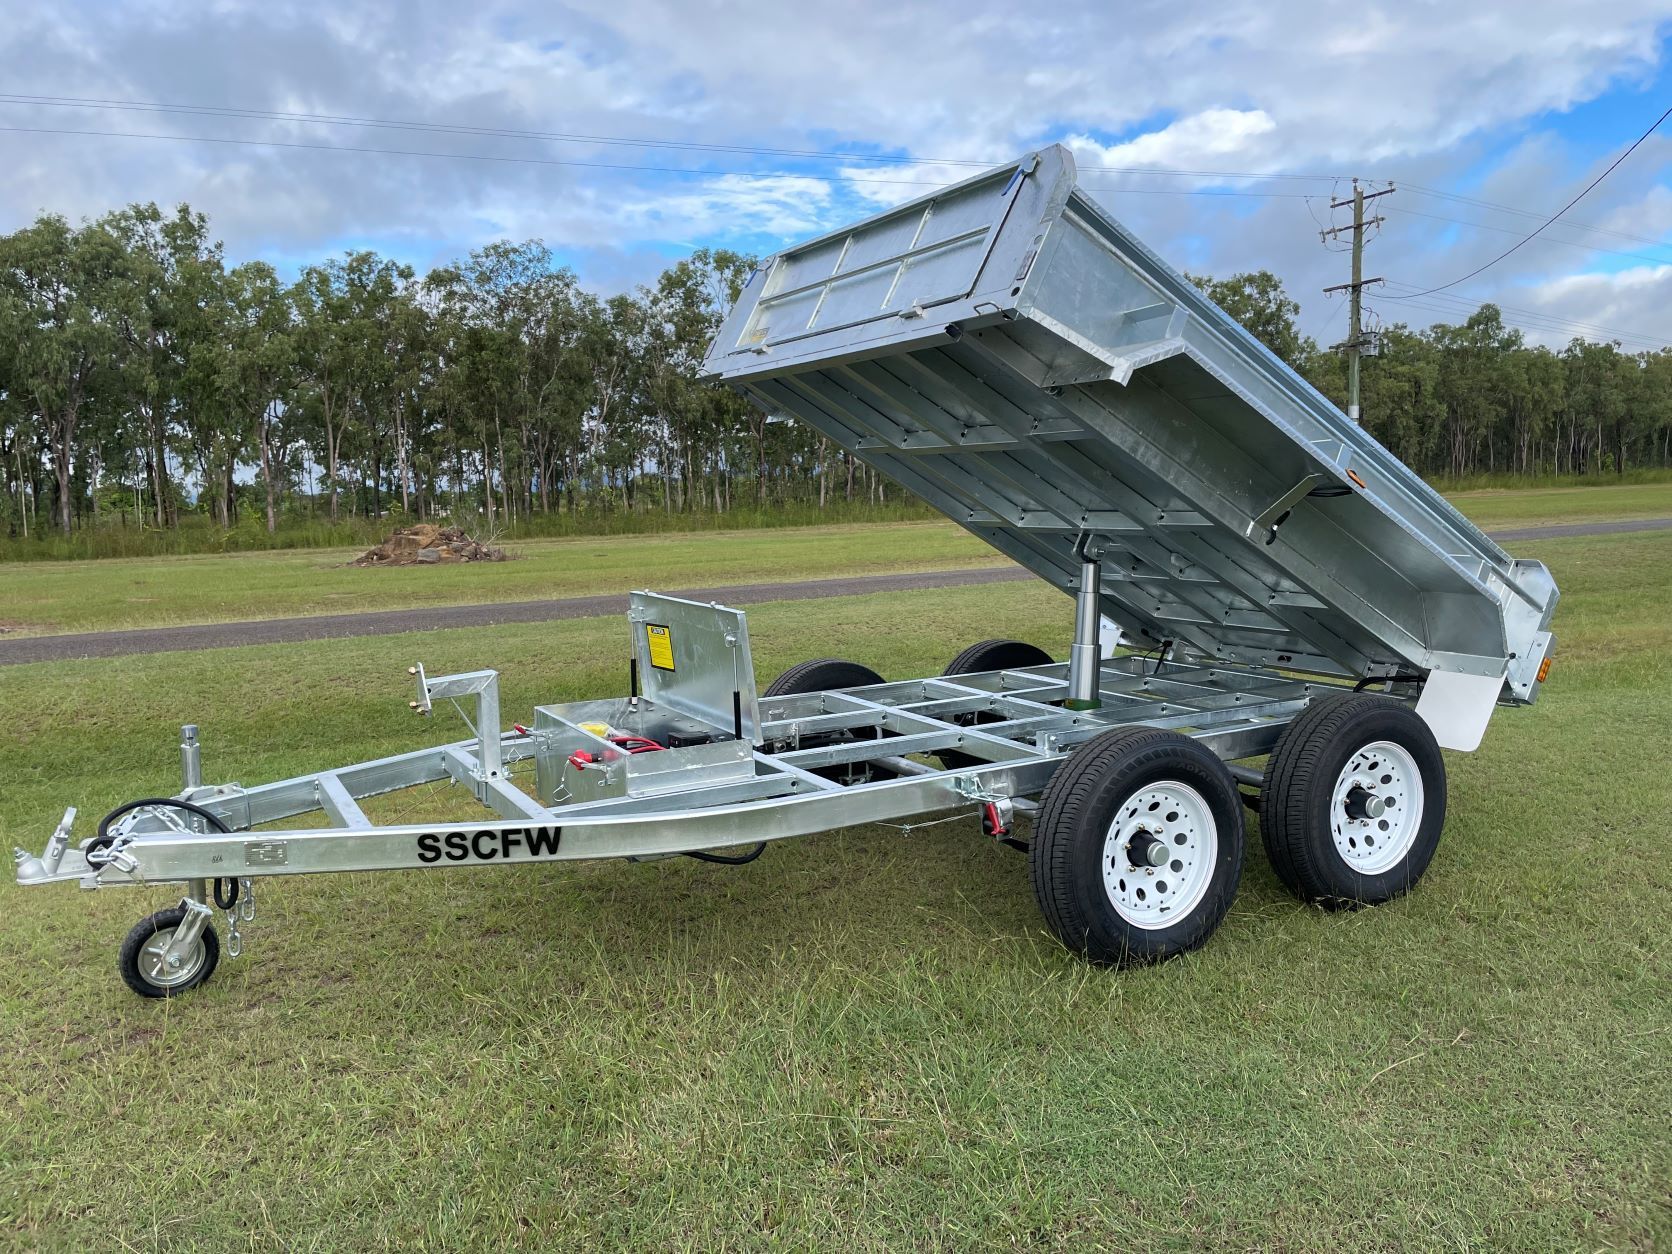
[30, 868]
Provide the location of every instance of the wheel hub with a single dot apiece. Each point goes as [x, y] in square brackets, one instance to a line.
[1146, 850]
[1376, 807]
[1362, 803]
[166, 970]
[1159, 854]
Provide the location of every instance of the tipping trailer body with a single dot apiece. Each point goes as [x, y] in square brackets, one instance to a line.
[1010, 353]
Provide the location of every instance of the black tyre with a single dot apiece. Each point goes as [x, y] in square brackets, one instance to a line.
[141, 958]
[997, 655]
[987, 655]
[1138, 848]
[1354, 801]
[821, 675]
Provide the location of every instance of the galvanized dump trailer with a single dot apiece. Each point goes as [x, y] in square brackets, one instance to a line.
[1280, 584]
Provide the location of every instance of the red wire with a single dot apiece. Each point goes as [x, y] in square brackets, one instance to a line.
[636, 744]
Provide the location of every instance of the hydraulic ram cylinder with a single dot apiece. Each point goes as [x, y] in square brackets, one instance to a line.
[1085, 657]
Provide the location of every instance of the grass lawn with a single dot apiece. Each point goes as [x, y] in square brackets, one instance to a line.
[1504, 508]
[863, 1040]
[47, 597]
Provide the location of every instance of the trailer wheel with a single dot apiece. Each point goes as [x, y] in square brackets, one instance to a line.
[141, 958]
[987, 655]
[1138, 848]
[997, 655]
[1354, 801]
[821, 675]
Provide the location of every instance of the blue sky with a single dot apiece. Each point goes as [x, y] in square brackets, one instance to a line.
[1514, 106]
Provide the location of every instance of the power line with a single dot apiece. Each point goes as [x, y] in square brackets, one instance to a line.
[453, 156]
[1498, 206]
[1464, 305]
[1460, 306]
[1457, 317]
[1320, 325]
[562, 137]
[328, 119]
[1546, 239]
[1612, 166]
[768, 175]
[1631, 343]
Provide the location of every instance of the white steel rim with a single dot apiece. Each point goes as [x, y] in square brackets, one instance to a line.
[153, 961]
[1179, 818]
[1387, 772]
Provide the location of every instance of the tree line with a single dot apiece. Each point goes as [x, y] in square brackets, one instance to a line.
[1457, 401]
[143, 378]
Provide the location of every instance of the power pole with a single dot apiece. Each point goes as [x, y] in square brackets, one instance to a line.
[1355, 342]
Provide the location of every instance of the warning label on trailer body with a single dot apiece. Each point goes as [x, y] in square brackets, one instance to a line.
[660, 640]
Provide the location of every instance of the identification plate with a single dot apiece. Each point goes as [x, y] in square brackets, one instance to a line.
[266, 853]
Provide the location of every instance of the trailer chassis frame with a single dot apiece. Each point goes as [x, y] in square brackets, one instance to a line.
[1238, 711]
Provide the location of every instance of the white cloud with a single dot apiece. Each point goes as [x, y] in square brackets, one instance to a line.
[1271, 86]
[1625, 301]
[1189, 143]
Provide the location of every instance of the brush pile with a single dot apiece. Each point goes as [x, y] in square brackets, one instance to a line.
[425, 544]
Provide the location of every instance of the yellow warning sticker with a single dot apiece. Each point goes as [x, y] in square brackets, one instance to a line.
[661, 646]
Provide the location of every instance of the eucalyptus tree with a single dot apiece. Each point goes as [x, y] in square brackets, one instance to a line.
[212, 428]
[460, 364]
[1653, 406]
[156, 314]
[57, 284]
[614, 427]
[684, 312]
[443, 393]
[20, 446]
[345, 310]
[1535, 396]
[1259, 301]
[131, 353]
[259, 368]
[410, 333]
[525, 319]
[1596, 401]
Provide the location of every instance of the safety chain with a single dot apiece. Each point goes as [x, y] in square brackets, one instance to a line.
[241, 910]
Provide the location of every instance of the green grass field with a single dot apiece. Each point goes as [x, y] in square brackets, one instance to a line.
[864, 1040]
[51, 597]
[1495, 508]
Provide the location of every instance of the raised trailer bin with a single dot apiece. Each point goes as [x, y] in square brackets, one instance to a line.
[1283, 588]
